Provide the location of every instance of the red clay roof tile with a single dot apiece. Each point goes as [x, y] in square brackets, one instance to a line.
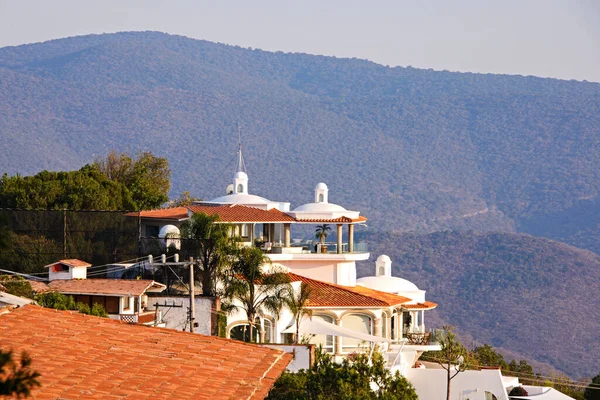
[427, 305]
[239, 213]
[124, 287]
[81, 356]
[324, 294]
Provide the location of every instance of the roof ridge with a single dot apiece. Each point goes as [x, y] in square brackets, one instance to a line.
[345, 288]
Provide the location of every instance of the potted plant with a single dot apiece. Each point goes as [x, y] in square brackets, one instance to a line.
[321, 233]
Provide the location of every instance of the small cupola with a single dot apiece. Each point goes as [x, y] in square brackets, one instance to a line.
[67, 269]
[321, 193]
[240, 183]
[383, 266]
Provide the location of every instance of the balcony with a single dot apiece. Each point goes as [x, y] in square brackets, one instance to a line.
[313, 248]
[143, 318]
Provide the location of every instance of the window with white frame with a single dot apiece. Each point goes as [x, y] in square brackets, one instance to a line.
[360, 323]
[327, 341]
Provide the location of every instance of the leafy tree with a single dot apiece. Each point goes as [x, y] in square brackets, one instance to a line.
[297, 303]
[452, 356]
[17, 286]
[17, 379]
[518, 391]
[486, 355]
[184, 199]
[255, 289]
[147, 177]
[355, 378]
[321, 232]
[592, 392]
[211, 244]
[59, 301]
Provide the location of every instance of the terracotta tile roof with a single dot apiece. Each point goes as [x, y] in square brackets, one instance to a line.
[326, 294]
[39, 287]
[175, 213]
[73, 262]
[420, 306]
[239, 213]
[345, 220]
[118, 287]
[81, 356]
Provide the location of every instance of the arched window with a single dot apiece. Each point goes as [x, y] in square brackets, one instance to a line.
[359, 323]
[242, 332]
[240, 188]
[327, 341]
[321, 198]
[268, 329]
[381, 271]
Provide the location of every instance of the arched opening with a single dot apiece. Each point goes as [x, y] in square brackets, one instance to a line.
[326, 341]
[360, 323]
[321, 198]
[268, 330]
[240, 188]
[242, 332]
[381, 271]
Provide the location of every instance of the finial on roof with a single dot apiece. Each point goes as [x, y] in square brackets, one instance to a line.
[241, 166]
[240, 178]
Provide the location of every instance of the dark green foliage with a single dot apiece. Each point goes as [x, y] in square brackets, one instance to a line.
[504, 289]
[210, 244]
[17, 286]
[147, 177]
[17, 378]
[518, 391]
[592, 392]
[222, 324]
[60, 301]
[350, 380]
[85, 189]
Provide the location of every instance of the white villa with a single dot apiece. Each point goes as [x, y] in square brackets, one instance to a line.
[347, 314]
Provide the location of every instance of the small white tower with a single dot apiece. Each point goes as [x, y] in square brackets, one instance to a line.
[240, 182]
[383, 266]
[321, 193]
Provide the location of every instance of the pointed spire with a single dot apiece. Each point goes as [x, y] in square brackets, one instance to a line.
[241, 166]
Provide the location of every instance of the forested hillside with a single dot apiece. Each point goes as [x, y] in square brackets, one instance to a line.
[412, 149]
[520, 293]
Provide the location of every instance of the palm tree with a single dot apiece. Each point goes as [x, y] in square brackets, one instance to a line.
[297, 305]
[322, 232]
[255, 290]
[211, 244]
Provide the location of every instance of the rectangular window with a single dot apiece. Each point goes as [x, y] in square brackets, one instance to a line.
[126, 303]
[152, 230]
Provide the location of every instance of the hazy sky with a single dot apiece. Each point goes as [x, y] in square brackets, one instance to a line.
[549, 38]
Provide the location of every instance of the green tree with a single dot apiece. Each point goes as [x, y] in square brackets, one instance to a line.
[17, 378]
[355, 378]
[255, 289]
[210, 242]
[297, 303]
[59, 301]
[322, 231]
[147, 177]
[592, 392]
[486, 355]
[17, 286]
[452, 357]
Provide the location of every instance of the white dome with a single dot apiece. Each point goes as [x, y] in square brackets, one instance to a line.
[319, 207]
[389, 284]
[240, 198]
[168, 230]
[383, 258]
[320, 185]
[240, 175]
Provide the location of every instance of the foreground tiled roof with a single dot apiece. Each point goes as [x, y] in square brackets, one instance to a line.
[239, 213]
[118, 287]
[85, 357]
[427, 305]
[73, 262]
[325, 294]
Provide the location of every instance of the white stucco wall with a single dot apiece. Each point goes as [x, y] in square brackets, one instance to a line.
[177, 317]
[303, 355]
[430, 384]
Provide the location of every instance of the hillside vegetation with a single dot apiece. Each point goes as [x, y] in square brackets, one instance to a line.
[412, 149]
[533, 296]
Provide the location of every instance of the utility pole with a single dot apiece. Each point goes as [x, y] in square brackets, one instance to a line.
[192, 300]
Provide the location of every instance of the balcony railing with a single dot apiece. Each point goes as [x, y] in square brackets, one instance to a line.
[145, 318]
[419, 338]
[313, 248]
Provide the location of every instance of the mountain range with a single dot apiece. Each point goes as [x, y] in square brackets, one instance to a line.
[414, 150]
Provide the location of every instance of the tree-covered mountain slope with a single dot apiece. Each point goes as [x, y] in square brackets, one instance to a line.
[533, 296]
[412, 149]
